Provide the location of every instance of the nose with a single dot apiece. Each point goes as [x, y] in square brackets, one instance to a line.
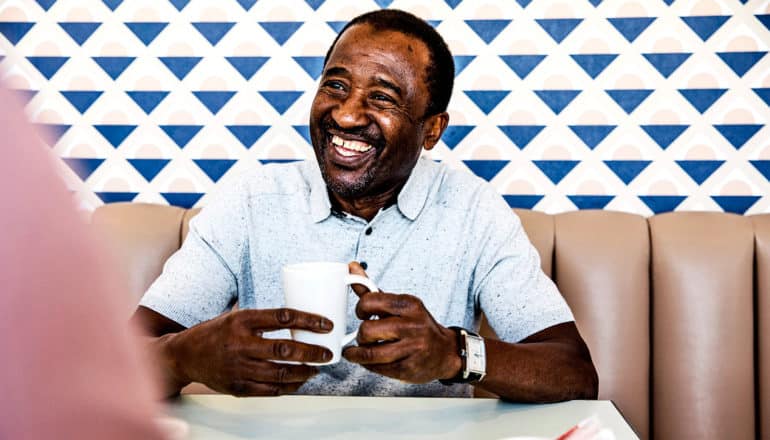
[351, 112]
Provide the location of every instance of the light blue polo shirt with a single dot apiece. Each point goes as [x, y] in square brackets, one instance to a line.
[450, 240]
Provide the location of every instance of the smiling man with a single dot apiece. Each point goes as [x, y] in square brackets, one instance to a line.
[441, 244]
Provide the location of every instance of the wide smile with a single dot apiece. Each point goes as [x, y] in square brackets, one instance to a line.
[349, 152]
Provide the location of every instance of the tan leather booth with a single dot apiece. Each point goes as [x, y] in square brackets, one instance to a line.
[675, 308]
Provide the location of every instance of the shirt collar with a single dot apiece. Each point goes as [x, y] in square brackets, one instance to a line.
[410, 200]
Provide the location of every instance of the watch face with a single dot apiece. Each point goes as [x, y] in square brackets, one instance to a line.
[476, 357]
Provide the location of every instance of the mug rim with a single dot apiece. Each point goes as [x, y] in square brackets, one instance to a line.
[310, 265]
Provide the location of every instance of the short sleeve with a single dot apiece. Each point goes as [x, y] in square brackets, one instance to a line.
[516, 296]
[201, 280]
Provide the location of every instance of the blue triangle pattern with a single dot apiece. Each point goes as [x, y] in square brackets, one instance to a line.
[627, 170]
[595, 2]
[114, 66]
[486, 169]
[631, 27]
[454, 134]
[180, 66]
[79, 31]
[315, 4]
[522, 201]
[113, 4]
[521, 135]
[83, 167]
[522, 65]
[26, 94]
[149, 168]
[487, 30]
[213, 31]
[181, 134]
[590, 201]
[592, 135]
[304, 131]
[312, 65]
[629, 99]
[741, 62]
[764, 19]
[247, 66]
[556, 170]
[736, 204]
[453, 3]
[116, 196]
[664, 134]
[738, 134]
[434, 23]
[523, 3]
[51, 133]
[594, 64]
[705, 25]
[14, 31]
[146, 31]
[763, 166]
[702, 99]
[281, 31]
[214, 168]
[764, 94]
[278, 161]
[184, 200]
[661, 204]
[487, 100]
[214, 100]
[666, 63]
[179, 4]
[699, 170]
[383, 3]
[557, 100]
[47, 66]
[558, 28]
[248, 135]
[115, 133]
[45, 4]
[337, 26]
[281, 100]
[82, 100]
[247, 4]
[147, 99]
[461, 62]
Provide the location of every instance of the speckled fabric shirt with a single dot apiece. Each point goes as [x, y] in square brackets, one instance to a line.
[451, 240]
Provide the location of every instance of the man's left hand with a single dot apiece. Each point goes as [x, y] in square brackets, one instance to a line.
[405, 343]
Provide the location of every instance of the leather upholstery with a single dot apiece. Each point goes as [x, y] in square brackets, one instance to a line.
[762, 249]
[672, 307]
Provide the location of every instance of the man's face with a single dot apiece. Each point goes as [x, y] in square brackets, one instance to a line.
[367, 119]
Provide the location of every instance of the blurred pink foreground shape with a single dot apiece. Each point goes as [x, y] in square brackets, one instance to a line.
[68, 361]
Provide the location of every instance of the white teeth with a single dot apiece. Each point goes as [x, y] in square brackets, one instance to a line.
[352, 146]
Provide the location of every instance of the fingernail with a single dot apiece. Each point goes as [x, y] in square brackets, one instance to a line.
[327, 355]
[326, 324]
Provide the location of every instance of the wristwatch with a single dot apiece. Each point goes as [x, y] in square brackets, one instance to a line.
[473, 355]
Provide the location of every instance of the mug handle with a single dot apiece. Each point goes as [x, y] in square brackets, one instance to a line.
[369, 284]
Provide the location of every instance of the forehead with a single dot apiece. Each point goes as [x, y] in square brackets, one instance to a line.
[403, 56]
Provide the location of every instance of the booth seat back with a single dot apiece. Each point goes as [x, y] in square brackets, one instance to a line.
[675, 308]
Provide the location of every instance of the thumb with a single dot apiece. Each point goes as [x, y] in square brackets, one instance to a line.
[356, 269]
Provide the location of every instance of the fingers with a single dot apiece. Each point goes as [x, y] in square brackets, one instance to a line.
[370, 355]
[247, 388]
[273, 372]
[288, 350]
[355, 269]
[388, 304]
[275, 319]
[385, 330]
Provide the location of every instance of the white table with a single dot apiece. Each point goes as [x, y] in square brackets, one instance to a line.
[363, 418]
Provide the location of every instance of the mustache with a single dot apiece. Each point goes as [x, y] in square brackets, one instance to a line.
[368, 134]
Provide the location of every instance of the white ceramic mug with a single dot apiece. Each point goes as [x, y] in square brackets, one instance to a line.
[322, 288]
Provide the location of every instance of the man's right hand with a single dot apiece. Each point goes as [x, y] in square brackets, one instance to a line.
[229, 354]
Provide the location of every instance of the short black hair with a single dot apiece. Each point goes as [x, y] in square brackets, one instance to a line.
[439, 74]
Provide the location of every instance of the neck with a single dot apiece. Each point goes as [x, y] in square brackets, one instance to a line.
[365, 207]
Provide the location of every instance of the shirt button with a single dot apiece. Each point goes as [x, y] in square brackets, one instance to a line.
[364, 265]
[368, 231]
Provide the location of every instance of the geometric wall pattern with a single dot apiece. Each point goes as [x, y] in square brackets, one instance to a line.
[642, 106]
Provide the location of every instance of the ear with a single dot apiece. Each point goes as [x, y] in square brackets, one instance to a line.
[434, 128]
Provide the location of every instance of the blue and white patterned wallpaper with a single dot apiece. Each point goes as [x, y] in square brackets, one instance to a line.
[642, 106]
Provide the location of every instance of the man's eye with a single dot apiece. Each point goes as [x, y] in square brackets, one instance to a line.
[382, 97]
[336, 85]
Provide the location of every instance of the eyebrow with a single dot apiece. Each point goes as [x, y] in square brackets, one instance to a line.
[388, 85]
